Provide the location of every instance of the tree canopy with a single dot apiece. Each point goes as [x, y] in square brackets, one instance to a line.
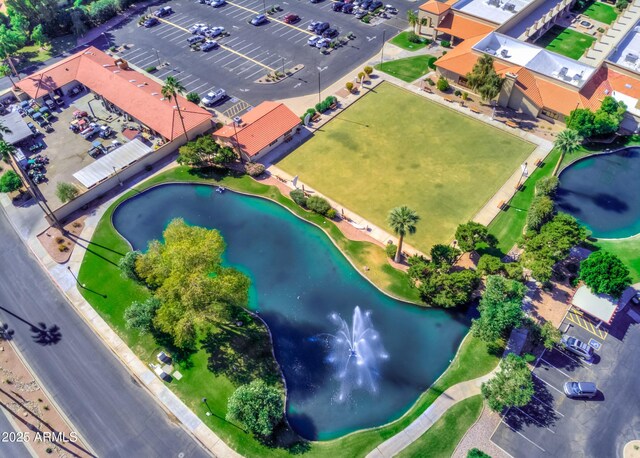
[470, 235]
[10, 182]
[605, 273]
[568, 141]
[512, 386]
[540, 212]
[605, 120]
[402, 221]
[437, 285]
[483, 78]
[257, 406]
[187, 277]
[205, 151]
[500, 308]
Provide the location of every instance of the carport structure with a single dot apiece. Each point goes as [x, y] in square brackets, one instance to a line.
[602, 307]
[19, 130]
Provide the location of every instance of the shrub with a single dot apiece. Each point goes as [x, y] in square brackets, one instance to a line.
[361, 76]
[445, 43]
[254, 169]
[442, 84]
[457, 93]
[318, 204]
[140, 315]
[413, 38]
[151, 69]
[490, 265]
[477, 453]
[59, 240]
[391, 249]
[547, 186]
[368, 70]
[444, 53]
[621, 5]
[600, 29]
[349, 86]
[465, 95]
[366, 19]
[331, 213]
[10, 182]
[127, 265]
[540, 212]
[62, 248]
[430, 82]
[298, 197]
[193, 97]
[550, 335]
[66, 191]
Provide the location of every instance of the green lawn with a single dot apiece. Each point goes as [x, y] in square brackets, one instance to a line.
[394, 148]
[100, 275]
[441, 439]
[402, 40]
[601, 12]
[566, 42]
[34, 55]
[408, 69]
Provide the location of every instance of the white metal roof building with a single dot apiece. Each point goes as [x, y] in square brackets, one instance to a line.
[600, 306]
[19, 129]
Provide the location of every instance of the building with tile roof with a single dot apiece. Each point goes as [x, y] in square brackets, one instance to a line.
[260, 130]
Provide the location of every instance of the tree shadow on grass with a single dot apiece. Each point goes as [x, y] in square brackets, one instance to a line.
[179, 355]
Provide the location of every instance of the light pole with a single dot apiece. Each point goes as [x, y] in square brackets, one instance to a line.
[384, 32]
[158, 57]
[209, 413]
[75, 278]
[283, 66]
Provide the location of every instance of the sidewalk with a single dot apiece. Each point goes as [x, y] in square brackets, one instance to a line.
[445, 401]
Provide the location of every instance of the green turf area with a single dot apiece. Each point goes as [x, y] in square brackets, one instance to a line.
[441, 439]
[101, 276]
[566, 42]
[402, 40]
[628, 250]
[394, 148]
[35, 55]
[601, 12]
[408, 69]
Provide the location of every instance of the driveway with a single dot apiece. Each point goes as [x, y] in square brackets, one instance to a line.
[553, 425]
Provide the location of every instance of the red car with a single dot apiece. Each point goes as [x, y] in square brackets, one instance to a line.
[291, 18]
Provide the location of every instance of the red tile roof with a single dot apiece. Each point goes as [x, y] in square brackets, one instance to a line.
[462, 27]
[261, 126]
[435, 7]
[131, 91]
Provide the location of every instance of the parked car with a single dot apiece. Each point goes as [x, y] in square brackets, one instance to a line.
[366, 4]
[150, 22]
[195, 39]
[337, 6]
[577, 347]
[209, 45]
[214, 32]
[321, 27]
[360, 14]
[313, 40]
[315, 1]
[330, 33]
[196, 28]
[348, 8]
[291, 18]
[580, 389]
[162, 12]
[218, 3]
[391, 9]
[635, 299]
[311, 27]
[375, 5]
[214, 97]
[105, 131]
[323, 43]
[90, 131]
[259, 20]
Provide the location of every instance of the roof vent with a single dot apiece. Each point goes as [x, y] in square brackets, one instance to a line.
[154, 93]
[116, 71]
[237, 120]
[142, 85]
[132, 81]
[628, 86]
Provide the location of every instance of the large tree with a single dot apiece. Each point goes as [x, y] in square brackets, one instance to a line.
[567, 142]
[449, 289]
[257, 406]
[172, 87]
[540, 212]
[483, 78]
[605, 273]
[10, 182]
[605, 120]
[470, 235]
[500, 308]
[187, 276]
[512, 386]
[402, 221]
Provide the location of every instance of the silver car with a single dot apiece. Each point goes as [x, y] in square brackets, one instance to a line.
[580, 389]
[577, 347]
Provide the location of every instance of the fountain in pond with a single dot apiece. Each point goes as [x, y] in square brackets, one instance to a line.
[355, 352]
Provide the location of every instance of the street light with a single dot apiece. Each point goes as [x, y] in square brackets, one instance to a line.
[209, 413]
[158, 57]
[76, 278]
[384, 32]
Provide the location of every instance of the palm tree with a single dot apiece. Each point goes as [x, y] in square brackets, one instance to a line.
[412, 17]
[568, 141]
[4, 130]
[172, 87]
[403, 221]
[5, 70]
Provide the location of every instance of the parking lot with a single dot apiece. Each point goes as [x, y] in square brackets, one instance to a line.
[553, 425]
[250, 52]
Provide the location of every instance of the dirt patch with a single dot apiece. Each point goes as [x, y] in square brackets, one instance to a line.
[30, 410]
[60, 244]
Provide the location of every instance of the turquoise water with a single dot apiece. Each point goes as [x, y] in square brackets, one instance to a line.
[603, 193]
[298, 279]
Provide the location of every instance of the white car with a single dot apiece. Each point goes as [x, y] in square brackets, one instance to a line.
[311, 27]
[214, 97]
[314, 40]
[209, 45]
[196, 28]
[323, 43]
[214, 32]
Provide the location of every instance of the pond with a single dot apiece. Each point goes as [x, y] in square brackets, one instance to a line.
[603, 193]
[307, 293]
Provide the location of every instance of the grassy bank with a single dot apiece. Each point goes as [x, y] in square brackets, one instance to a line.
[102, 278]
[408, 69]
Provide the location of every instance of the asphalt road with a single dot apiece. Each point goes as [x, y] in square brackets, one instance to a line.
[10, 446]
[112, 412]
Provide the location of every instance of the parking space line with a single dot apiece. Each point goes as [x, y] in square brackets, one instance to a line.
[536, 421]
[177, 37]
[254, 73]
[551, 407]
[183, 81]
[147, 60]
[519, 433]
[546, 383]
[195, 89]
[167, 34]
[137, 52]
[270, 19]
[245, 70]
[562, 372]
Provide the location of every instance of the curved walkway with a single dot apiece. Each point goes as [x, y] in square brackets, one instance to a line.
[420, 425]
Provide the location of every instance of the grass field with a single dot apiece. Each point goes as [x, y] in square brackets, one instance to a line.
[628, 250]
[402, 40]
[566, 42]
[376, 156]
[100, 274]
[441, 439]
[601, 12]
[408, 69]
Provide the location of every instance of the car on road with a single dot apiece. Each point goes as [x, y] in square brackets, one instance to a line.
[313, 40]
[337, 6]
[214, 32]
[150, 22]
[323, 43]
[577, 347]
[195, 39]
[218, 3]
[330, 33]
[162, 12]
[209, 45]
[259, 20]
[196, 28]
[580, 389]
[321, 27]
[214, 97]
[291, 18]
